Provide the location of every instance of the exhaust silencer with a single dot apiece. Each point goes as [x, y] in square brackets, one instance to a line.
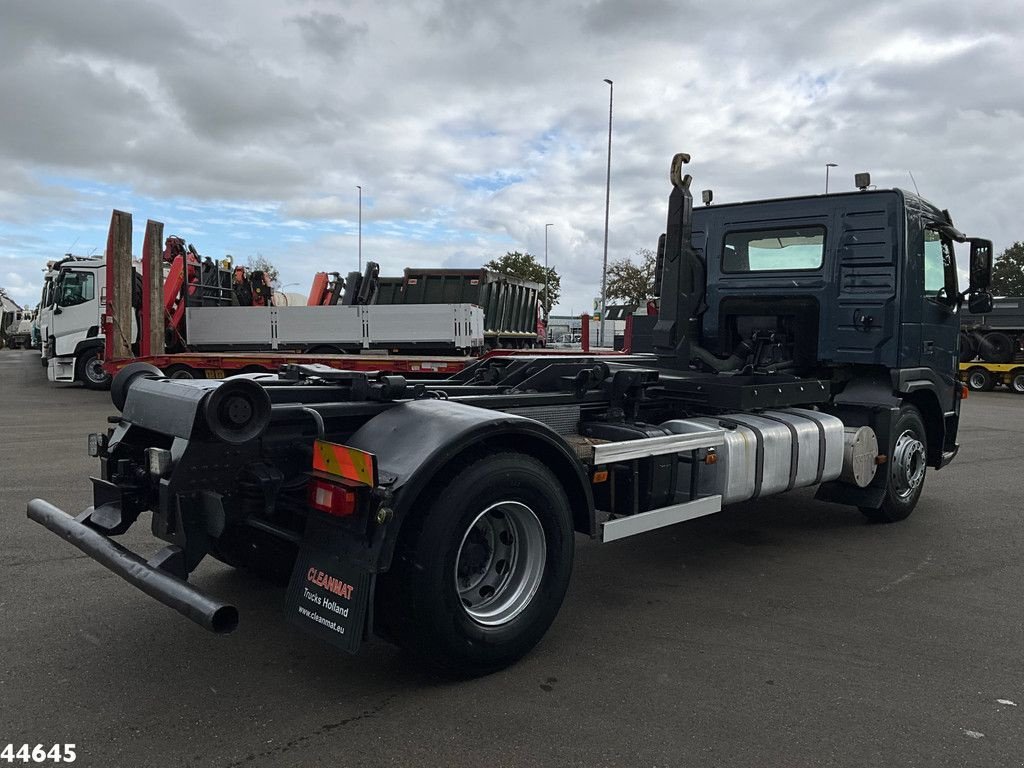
[173, 592]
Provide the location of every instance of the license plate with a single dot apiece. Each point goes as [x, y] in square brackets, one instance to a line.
[328, 598]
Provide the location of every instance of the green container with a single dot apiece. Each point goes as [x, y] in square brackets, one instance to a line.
[509, 303]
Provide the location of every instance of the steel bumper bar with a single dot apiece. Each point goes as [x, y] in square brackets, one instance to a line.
[168, 589]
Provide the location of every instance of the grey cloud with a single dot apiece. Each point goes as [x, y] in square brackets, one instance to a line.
[329, 34]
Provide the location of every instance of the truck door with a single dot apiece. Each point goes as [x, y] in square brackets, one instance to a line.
[76, 308]
[940, 327]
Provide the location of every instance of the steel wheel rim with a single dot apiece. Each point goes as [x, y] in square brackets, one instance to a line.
[908, 464]
[94, 371]
[977, 381]
[500, 563]
[1018, 382]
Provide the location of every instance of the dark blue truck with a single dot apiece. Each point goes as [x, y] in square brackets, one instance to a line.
[808, 341]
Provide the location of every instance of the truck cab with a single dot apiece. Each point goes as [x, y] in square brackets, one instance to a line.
[70, 313]
[859, 288]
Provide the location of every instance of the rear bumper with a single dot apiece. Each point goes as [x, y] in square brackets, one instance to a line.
[170, 590]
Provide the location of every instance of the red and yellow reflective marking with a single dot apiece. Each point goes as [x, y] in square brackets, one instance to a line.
[342, 461]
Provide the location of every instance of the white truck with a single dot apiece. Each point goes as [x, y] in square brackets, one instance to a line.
[70, 321]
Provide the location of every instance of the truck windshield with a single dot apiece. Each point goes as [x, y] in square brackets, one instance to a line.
[76, 288]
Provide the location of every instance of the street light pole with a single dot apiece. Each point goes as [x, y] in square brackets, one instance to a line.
[547, 302]
[607, 199]
[360, 227]
[827, 166]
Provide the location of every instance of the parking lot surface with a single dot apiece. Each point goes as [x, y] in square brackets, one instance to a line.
[778, 633]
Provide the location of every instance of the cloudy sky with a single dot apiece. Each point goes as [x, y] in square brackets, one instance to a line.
[245, 126]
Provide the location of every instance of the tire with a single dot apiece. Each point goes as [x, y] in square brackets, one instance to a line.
[180, 372]
[478, 578]
[1017, 381]
[89, 370]
[968, 347]
[996, 348]
[907, 467]
[325, 350]
[980, 379]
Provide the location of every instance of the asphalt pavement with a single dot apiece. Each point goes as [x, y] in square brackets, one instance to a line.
[784, 632]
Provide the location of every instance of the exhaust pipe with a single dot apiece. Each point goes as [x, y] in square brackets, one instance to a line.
[173, 592]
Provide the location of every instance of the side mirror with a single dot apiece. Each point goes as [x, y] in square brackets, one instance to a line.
[981, 265]
[979, 303]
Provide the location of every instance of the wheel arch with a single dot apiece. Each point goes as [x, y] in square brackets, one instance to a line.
[85, 345]
[421, 444]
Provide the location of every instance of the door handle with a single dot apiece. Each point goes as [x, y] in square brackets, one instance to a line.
[929, 347]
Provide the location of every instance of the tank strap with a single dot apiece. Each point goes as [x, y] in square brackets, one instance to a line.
[821, 439]
[758, 450]
[794, 446]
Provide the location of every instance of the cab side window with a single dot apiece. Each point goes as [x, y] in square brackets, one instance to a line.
[939, 264]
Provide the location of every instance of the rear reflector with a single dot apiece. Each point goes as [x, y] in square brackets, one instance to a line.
[330, 498]
[342, 461]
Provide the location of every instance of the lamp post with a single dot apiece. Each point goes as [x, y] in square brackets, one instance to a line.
[547, 303]
[360, 227]
[827, 167]
[607, 198]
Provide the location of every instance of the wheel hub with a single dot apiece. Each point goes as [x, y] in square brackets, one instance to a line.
[500, 563]
[94, 370]
[908, 464]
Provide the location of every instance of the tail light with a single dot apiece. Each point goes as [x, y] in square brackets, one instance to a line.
[334, 499]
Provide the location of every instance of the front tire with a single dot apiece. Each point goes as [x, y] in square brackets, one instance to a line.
[907, 466]
[89, 370]
[478, 578]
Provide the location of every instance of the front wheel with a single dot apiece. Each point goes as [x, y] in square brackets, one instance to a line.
[89, 370]
[907, 465]
[478, 577]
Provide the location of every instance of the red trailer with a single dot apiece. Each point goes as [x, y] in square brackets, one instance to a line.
[162, 313]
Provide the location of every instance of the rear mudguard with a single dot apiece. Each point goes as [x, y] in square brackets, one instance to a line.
[420, 441]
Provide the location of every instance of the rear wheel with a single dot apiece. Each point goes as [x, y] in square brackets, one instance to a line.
[996, 348]
[1017, 381]
[980, 380]
[89, 369]
[968, 347]
[907, 466]
[479, 577]
[180, 372]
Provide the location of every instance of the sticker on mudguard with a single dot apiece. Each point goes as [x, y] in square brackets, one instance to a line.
[328, 598]
[342, 461]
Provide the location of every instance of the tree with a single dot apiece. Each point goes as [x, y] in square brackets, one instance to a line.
[632, 281]
[527, 267]
[262, 263]
[1008, 272]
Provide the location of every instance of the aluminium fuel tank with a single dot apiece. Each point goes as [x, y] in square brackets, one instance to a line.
[768, 452]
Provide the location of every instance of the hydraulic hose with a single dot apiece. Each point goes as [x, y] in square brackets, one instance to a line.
[734, 362]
